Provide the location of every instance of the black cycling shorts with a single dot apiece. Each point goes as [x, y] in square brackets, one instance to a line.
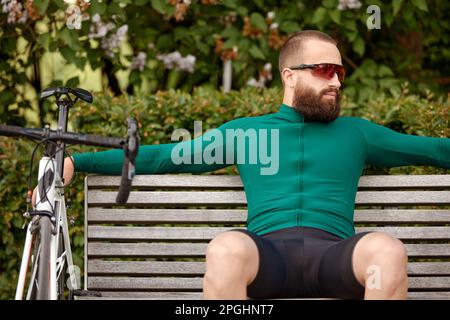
[304, 262]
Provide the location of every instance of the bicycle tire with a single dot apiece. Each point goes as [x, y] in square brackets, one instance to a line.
[43, 274]
[61, 280]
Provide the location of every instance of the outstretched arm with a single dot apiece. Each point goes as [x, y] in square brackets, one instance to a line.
[388, 148]
[203, 154]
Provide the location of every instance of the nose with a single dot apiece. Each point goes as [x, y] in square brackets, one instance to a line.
[335, 81]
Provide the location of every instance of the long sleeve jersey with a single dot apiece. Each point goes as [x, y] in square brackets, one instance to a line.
[294, 172]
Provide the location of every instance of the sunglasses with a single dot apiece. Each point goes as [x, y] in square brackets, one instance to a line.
[323, 70]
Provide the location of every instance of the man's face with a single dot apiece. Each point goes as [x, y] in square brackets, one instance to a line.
[317, 98]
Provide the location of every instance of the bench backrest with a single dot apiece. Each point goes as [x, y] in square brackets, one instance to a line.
[154, 246]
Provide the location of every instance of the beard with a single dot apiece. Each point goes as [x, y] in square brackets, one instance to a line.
[313, 107]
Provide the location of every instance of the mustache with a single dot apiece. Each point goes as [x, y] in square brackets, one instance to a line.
[335, 90]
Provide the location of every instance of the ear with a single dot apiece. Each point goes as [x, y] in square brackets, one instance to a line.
[288, 77]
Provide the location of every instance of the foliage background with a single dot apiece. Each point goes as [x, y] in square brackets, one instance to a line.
[412, 46]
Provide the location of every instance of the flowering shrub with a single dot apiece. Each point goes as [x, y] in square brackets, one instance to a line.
[182, 44]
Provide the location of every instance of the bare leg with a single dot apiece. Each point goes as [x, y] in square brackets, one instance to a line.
[232, 262]
[380, 264]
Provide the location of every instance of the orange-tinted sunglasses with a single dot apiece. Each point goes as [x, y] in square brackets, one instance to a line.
[323, 70]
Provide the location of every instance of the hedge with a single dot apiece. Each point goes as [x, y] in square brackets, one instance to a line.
[158, 116]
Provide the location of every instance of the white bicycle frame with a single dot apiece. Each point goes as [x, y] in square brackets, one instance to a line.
[56, 203]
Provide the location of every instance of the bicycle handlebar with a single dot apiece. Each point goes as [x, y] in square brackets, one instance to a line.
[130, 146]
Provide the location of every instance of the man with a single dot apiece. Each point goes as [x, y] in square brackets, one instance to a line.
[300, 239]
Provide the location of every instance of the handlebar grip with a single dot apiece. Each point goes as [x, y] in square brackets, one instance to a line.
[125, 184]
[128, 168]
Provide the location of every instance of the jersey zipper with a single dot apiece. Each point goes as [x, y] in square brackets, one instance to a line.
[300, 176]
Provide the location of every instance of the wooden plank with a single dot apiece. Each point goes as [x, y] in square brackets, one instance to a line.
[154, 216]
[139, 283]
[192, 250]
[207, 233]
[114, 295]
[404, 181]
[144, 250]
[402, 197]
[444, 295]
[429, 268]
[237, 198]
[127, 295]
[170, 181]
[183, 283]
[148, 216]
[179, 198]
[429, 283]
[234, 181]
[154, 268]
[403, 216]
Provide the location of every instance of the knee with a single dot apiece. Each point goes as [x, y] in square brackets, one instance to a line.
[389, 250]
[226, 248]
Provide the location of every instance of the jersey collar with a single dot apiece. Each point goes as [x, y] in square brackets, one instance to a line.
[289, 113]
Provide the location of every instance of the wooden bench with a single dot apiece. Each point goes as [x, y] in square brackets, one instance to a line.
[153, 248]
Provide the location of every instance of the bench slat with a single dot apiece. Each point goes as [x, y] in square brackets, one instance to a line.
[207, 233]
[182, 283]
[198, 296]
[152, 268]
[230, 181]
[237, 198]
[148, 250]
[148, 216]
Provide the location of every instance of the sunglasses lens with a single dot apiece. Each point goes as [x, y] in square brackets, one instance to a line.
[327, 71]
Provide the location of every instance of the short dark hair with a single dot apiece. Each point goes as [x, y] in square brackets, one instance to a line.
[293, 46]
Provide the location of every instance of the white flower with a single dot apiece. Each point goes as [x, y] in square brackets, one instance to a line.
[139, 61]
[273, 26]
[96, 18]
[270, 15]
[174, 60]
[122, 30]
[253, 83]
[350, 4]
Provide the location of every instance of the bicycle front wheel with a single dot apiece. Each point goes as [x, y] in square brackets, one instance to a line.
[42, 259]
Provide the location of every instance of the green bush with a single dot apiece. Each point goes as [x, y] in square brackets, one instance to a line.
[158, 116]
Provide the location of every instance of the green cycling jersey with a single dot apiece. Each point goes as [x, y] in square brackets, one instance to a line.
[295, 173]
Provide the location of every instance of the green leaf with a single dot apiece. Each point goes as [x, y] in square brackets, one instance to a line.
[6, 98]
[73, 82]
[396, 5]
[41, 5]
[258, 21]
[421, 4]
[243, 11]
[229, 4]
[161, 6]
[230, 43]
[68, 54]
[231, 32]
[385, 71]
[256, 53]
[289, 26]
[359, 46]
[319, 15]
[335, 15]
[329, 4]
[97, 7]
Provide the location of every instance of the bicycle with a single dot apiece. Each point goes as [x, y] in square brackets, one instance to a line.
[47, 243]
